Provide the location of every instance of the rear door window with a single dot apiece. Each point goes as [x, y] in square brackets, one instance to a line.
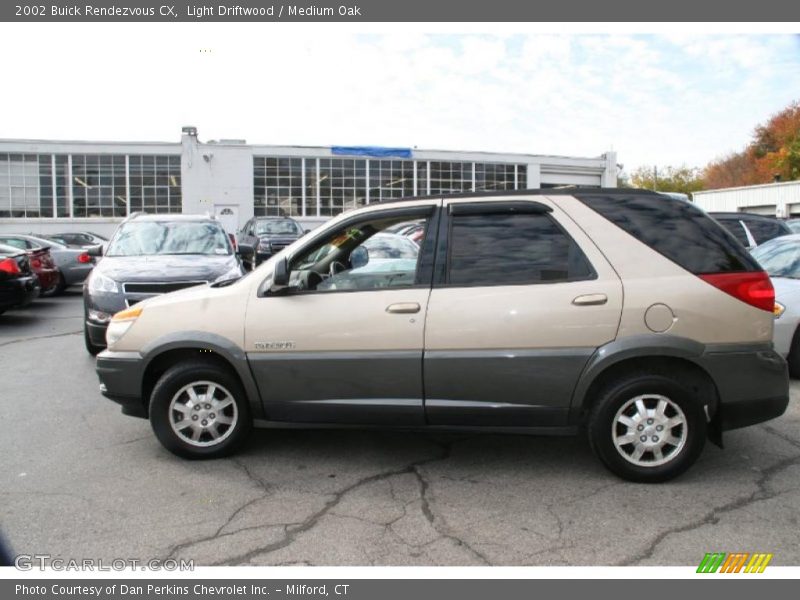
[764, 230]
[512, 249]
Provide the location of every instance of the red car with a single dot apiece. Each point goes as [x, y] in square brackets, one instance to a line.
[45, 269]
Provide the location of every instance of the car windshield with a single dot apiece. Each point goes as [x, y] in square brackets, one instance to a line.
[286, 227]
[147, 238]
[779, 259]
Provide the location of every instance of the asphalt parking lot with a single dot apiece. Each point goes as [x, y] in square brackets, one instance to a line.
[80, 480]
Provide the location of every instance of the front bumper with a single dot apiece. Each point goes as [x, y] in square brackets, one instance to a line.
[120, 375]
[752, 384]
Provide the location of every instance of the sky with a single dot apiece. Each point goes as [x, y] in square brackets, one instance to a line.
[655, 99]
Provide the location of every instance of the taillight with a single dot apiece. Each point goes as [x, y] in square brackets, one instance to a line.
[233, 240]
[10, 266]
[36, 263]
[84, 258]
[753, 288]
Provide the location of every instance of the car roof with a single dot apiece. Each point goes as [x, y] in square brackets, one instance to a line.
[741, 215]
[171, 217]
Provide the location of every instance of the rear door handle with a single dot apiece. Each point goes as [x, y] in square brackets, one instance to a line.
[590, 300]
[403, 308]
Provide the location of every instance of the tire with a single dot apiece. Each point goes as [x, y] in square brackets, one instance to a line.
[794, 356]
[669, 447]
[171, 404]
[91, 348]
[61, 286]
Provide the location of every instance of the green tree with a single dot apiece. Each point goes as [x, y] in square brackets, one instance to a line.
[683, 179]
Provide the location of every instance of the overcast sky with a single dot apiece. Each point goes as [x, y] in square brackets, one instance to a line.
[655, 99]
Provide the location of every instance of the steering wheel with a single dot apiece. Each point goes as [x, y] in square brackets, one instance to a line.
[336, 267]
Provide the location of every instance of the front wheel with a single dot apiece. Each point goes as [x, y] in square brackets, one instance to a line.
[91, 348]
[198, 409]
[647, 428]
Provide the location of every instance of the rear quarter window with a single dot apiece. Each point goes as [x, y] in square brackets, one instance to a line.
[678, 230]
[764, 230]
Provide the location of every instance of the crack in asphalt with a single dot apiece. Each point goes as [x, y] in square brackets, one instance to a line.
[265, 487]
[427, 511]
[292, 531]
[760, 494]
[38, 337]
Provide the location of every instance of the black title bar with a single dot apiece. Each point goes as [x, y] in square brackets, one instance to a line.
[495, 11]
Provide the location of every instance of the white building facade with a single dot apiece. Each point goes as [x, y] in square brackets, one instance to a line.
[51, 186]
[780, 200]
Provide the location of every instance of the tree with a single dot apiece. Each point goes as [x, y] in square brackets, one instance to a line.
[683, 179]
[773, 152]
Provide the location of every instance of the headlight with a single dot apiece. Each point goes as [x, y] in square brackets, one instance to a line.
[120, 323]
[265, 246]
[235, 273]
[100, 283]
[778, 310]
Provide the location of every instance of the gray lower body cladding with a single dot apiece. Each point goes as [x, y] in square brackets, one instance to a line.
[752, 383]
[498, 388]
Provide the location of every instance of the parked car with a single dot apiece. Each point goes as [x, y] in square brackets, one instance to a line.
[150, 255]
[781, 259]
[269, 235]
[85, 239]
[41, 263]
[19, 285]
[751, 230]
[794, 225]
[515, 321]
[74, 264]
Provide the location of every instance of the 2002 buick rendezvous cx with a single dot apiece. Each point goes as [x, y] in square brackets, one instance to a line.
[623, 314]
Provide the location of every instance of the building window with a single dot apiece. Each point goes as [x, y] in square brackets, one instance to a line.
[278, 186]
[62, 180]
[98, 185]
[450, 177]
[496, 176]
[155, 183]
[342, 185]
[26, 186]
[390, 179]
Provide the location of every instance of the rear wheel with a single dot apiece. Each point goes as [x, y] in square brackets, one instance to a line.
[61, 286]
[647, 428]
[794, 356]
[198, 409]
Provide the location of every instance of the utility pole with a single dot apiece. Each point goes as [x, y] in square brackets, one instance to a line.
[655, 178]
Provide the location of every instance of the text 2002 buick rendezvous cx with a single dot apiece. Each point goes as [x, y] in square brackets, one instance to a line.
[625, 314]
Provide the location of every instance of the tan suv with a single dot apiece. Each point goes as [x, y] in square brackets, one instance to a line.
[624, 314]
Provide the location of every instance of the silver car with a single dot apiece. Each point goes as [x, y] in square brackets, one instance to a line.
[74, 263]
[780, 257]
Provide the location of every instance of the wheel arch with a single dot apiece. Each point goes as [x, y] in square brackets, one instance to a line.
[166, 351]
[672, 356]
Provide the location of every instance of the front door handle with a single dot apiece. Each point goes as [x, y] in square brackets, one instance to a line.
[590, 300]
[403, 308]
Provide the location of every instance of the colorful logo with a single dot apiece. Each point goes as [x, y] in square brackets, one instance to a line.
[734, 562]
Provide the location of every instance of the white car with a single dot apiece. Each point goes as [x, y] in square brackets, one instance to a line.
[780, 257]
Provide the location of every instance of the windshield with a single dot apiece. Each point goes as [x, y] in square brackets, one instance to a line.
[147, 238]
[286, 227]
[779, 259]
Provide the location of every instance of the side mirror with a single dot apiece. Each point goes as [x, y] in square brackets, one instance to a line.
[95, 251]
[280, 277]
[245, 250]
[305, 231]
[359, 257]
